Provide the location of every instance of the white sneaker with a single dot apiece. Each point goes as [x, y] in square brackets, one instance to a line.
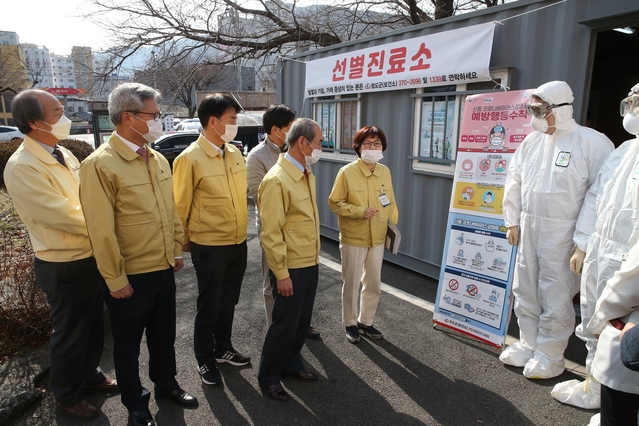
[516, 355]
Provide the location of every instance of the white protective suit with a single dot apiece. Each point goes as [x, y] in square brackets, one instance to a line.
[611, 205]
[547, 181]
[619, 300]
[612, 201]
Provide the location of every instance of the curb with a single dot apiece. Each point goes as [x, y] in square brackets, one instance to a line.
[18, 379]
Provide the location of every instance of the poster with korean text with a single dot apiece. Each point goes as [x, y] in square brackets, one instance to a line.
[477, 266]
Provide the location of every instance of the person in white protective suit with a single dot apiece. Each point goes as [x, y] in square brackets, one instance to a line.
[609, 217]
[617, 306]
[548, 178]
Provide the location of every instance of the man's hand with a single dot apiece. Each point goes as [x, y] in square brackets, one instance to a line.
[179, 264]
[626, 327]
[186, 247]
[285, 287]
[124, 293]
[370, 213]
[513, 235]
[577, 260]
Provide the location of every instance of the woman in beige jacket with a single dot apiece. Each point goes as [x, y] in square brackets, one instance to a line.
[364, 201]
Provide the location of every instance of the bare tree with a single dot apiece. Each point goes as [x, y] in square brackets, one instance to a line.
[177, 77]
[13, 70]
[269, 27]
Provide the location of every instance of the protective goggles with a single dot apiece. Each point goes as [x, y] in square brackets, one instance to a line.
[630, 105]
[542, 109]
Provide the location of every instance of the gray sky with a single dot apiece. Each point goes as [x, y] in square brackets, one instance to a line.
[58, 25]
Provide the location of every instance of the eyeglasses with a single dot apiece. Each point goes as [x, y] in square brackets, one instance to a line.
[156, 115]
[542, 109]
[368, 144]
[630, 105]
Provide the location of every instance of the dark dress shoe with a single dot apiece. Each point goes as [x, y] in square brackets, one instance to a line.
[109, 385]
[275, 392]
[82, 410]
[305, 376]
[312, 333]
[178, 396]
[141, 418]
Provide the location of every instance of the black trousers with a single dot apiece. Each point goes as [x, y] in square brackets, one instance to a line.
[219, 271]
[151, 308]
[74, 292]
[618, 408]
[285, 337]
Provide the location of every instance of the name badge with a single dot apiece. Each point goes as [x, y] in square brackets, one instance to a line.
[563, 159]
[384, 200]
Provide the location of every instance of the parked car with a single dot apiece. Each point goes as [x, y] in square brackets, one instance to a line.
[190, 125]
[9, 132]
[173, 144]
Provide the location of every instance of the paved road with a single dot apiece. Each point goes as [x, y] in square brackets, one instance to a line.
[418, 375]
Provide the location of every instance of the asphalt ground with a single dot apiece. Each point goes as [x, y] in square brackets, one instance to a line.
[418, 375]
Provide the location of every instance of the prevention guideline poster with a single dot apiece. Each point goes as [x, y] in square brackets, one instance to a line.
[473, 296]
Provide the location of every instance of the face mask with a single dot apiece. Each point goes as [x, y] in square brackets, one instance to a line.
[61, 129]
[314, 157]
[371, 156]
[229, 133]
[631, 124]
[155, 129]
[285, 136]
[540, 124]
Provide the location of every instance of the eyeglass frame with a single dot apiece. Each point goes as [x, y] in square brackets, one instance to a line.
[369, 144]
[156, 115]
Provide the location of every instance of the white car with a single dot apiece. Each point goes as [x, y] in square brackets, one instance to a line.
[9, 132]
[188, 126]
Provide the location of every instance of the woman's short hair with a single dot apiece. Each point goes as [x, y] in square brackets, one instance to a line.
[364, 133]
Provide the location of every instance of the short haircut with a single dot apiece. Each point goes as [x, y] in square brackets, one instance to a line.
[278, 115]
[365, 132]
[302, 127]
[129, 97]
[26, 108]
[216, 105]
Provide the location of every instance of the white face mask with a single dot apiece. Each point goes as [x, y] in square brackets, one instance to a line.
[540, 124]
[631, 124]
[61, 129]
[155, 129]
[371, 156]
[230, 131]
[314, 157]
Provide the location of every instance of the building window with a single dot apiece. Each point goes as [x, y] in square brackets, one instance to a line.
[339, 119]
[71, 109]
[438, 112]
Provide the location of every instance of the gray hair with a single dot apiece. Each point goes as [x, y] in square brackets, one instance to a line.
[129, 97]
[26, 108]
[301, 127]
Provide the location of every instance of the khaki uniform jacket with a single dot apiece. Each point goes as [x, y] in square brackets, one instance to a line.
[130, 212]
[355, 189]
[210, 193]
[290, 221]
[46, 197]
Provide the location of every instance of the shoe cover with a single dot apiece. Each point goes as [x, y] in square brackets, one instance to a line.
[586, 394]
[594, 420]
[540, 367]
[516, 355]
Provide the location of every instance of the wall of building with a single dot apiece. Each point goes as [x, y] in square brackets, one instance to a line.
[537, 45]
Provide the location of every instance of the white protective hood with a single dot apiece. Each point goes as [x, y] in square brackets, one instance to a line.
[555, 93]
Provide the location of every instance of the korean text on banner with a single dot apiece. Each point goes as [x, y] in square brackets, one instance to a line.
[476, 276]
[449, 57]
